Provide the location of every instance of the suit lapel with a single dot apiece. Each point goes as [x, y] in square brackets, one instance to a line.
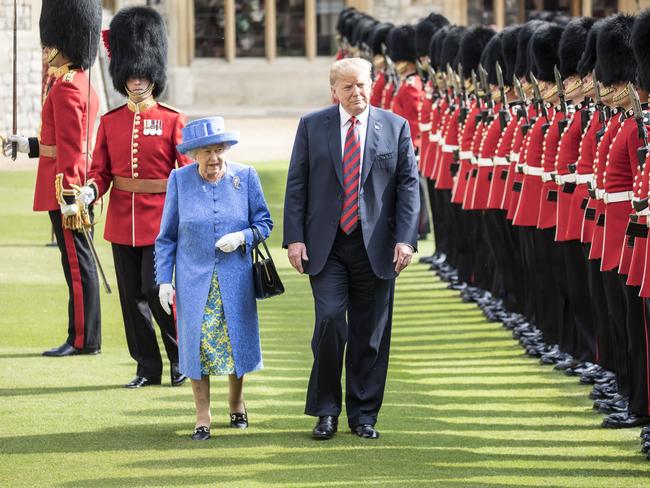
[334, 141]
[373, 134]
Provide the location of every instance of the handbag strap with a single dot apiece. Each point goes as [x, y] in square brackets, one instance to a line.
[260, 240]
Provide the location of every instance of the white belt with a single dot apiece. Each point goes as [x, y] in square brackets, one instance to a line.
[547, 176]
[533, 170]
[465, 154]
[500, 161]
[485, 162]
[600, 193]
[424, 127]
[433, 137]
[514, 157]
[581, 179]
[644, 212]
[568, 178]
[620, 196]
[447, 148]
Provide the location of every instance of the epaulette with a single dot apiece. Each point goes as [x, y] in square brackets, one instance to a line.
[115, 109]
[69, 76]
[169, 107]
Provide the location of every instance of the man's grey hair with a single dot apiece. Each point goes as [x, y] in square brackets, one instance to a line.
[349, 67]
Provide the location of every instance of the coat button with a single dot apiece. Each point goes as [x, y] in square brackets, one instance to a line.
[135, 144]
[134, 160]
[135, 165]
[135, 151]
[135, 136]
[135, 175]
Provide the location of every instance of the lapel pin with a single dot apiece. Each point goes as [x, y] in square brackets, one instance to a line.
[376, 126]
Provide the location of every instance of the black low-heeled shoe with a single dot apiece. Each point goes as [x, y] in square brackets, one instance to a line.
[201, 433]
[239, 420]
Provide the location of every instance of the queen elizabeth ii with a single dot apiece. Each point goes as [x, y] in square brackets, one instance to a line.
[203, 248]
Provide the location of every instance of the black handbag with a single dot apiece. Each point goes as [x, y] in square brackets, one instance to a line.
[265, 277]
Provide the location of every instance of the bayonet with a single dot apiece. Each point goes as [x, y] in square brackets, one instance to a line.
[560, 89]
[503, 112]
[538, 96]
[484, 83]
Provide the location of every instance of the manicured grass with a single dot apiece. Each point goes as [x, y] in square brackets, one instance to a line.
[463, 406]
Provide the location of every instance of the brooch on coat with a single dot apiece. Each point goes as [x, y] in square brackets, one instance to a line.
[236, 182]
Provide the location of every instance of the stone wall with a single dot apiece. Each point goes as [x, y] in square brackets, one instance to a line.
[406, 11]
[29, 66]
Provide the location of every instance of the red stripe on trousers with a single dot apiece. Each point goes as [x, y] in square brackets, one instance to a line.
[77, 289]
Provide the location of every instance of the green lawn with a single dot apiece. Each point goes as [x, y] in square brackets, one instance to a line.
[463, 406]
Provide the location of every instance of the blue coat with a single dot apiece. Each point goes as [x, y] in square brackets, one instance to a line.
[195, 216]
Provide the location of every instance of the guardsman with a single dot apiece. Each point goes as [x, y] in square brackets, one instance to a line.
[377, 40]
[618, 69]
[70, 31]
[583, 341]
[134, 154]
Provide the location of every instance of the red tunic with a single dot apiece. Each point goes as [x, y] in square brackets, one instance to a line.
[528, 206]
[636, 273]
[548, 199]
[485, 159]
[496, 198]
[63, 124]
[477, 138]
[602, 151]
[407, 104]
[438, 109]
[377, 90]
[465, 153]
[516, 178]
[444, 178]
[122, 149]
[387, 96]
[568, 153]
[424, 123]
[621, 168]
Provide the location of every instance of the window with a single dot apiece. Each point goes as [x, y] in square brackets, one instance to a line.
[327, 13]
[249, 28]
[209, 22]
[290, 27]
[604, 8]
[480, 12]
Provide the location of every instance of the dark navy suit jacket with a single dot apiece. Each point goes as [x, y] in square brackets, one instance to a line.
[389, 201]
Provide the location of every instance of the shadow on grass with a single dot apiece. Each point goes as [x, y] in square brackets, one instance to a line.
[50, 390]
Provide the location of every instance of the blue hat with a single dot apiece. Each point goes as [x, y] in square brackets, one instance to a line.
[206, 132]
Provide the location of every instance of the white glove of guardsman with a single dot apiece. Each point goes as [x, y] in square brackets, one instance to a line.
[230, 242]
[166, 294]
[87, 194]
[21, 142]
[68, 210]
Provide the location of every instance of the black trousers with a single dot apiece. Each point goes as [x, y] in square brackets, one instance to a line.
[549, 296]
[529, 271]
[84, 317]
[604, 344]
[580, 305]
[616, 314]
[353, 307]
[134, 268]
[638, 348]
[499, 239]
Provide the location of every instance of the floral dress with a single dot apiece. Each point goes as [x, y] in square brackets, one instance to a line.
[216, 351]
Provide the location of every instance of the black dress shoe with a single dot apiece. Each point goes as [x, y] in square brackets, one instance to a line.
[239, 420]
[141, 382]
[68, 350]
[177, 378]
[326, 427]
[366, 431]
[201, 433]
[625, 420]
[645, 448]
[645, 430]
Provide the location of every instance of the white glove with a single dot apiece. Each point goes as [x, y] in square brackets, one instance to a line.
[68, 210]
[230, 242]
[23, 144]
[166, 296]
[87, 194]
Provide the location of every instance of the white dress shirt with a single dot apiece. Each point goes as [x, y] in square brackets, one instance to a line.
[362, 129]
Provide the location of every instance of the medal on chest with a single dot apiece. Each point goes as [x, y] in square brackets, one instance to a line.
[152, 127]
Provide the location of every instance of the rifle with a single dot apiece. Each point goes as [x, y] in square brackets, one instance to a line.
[600, 107]
[464, 110]
[521, 101]
[538, 99]
[504, 115]
[485, 114]
[560, 93]
[451, 82]
[642, 152]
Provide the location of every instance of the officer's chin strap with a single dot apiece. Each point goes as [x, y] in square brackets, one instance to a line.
[140, 97]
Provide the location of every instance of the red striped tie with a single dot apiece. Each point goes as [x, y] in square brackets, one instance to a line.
[351, 170]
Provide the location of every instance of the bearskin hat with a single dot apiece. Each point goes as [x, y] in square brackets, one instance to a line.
[640, 43]
[491, 56]
[435, 46]
[424, 31]
[450, 47]
[73, 27]
[472, 45]
[401, 43]
[365, 24]
[342, 16]
[572, 44]
[546, 50]
[348, 24]
[378, 36]
[523, 37]
[365, 37]
[587, 61]
[138, 46]
[615, 59]
[509, 52]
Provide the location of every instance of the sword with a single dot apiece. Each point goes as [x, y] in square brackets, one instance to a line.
[14, 145]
